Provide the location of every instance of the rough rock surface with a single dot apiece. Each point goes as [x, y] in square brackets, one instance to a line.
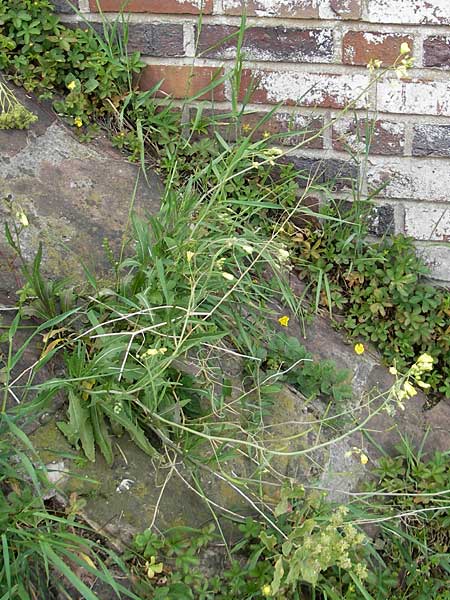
[73, 194]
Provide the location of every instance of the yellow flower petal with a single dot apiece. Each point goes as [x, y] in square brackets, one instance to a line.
[409, 389]
[266, 590]
[22, 217]
[284, 321]
[227, 276]
[424, 385]
[364, 458]
[150, 352]
[404, 48]
[359, 348]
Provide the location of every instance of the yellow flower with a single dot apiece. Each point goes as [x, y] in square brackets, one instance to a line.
[227, 276]
[266, 135]
[22, 217]
[150, 352]
[78, 122]
[409, 389]
[425, 362]
[284, 320]
[359, 348]
[393, 371]
[364, 458]
[266, 590]
[401, 395]
[246, 127]
[423, 385]
[404, 48]
[373, 64]
[189, 255]
[283, 254]
[72, 85]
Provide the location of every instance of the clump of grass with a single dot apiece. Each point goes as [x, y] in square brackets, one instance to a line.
[13, 115]
[45, 551]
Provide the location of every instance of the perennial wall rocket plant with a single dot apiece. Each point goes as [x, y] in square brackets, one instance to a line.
[199, 277]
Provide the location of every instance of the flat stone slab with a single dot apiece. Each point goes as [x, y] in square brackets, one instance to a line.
[136, 492]
[73, 194]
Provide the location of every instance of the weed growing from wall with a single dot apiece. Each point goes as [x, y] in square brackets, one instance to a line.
[379, 290]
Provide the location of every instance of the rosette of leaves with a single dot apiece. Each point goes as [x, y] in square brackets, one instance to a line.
[13, 115]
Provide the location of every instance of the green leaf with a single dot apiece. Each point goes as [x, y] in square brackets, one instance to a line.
[6, 563]
[79, 426]
[90, 85]
[101, 434]
[278, 574]
[269, 541]
[136, 433]
[61, 566]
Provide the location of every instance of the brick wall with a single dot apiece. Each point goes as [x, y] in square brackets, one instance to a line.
[312, 56]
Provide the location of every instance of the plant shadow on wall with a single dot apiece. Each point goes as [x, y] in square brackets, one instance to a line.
[196, 286]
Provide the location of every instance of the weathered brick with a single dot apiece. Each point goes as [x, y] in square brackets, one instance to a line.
[382, 220]
[305, 213]
[65, 6]
[359, 47]
[427, 222]
[338, 174]
[409, 11]
[268, 43]
[326, 90]
[156, 39]
[418, 179]
[385, 137]
[295, 9]
[431, 140]
[437, 258]
[346, 9]
[191, 7]
[183, 82]
[436, 51]
[416, 97]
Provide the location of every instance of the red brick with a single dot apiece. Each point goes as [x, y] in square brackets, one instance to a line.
[182, 82]
[268, 43]
[359, 47]
[156, 39]
[325, 90]
[301, 9]
[347, 9]
[436, 51]
[387, 137]
[153, 6]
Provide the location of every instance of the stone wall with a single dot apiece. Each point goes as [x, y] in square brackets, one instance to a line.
[312, 56]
